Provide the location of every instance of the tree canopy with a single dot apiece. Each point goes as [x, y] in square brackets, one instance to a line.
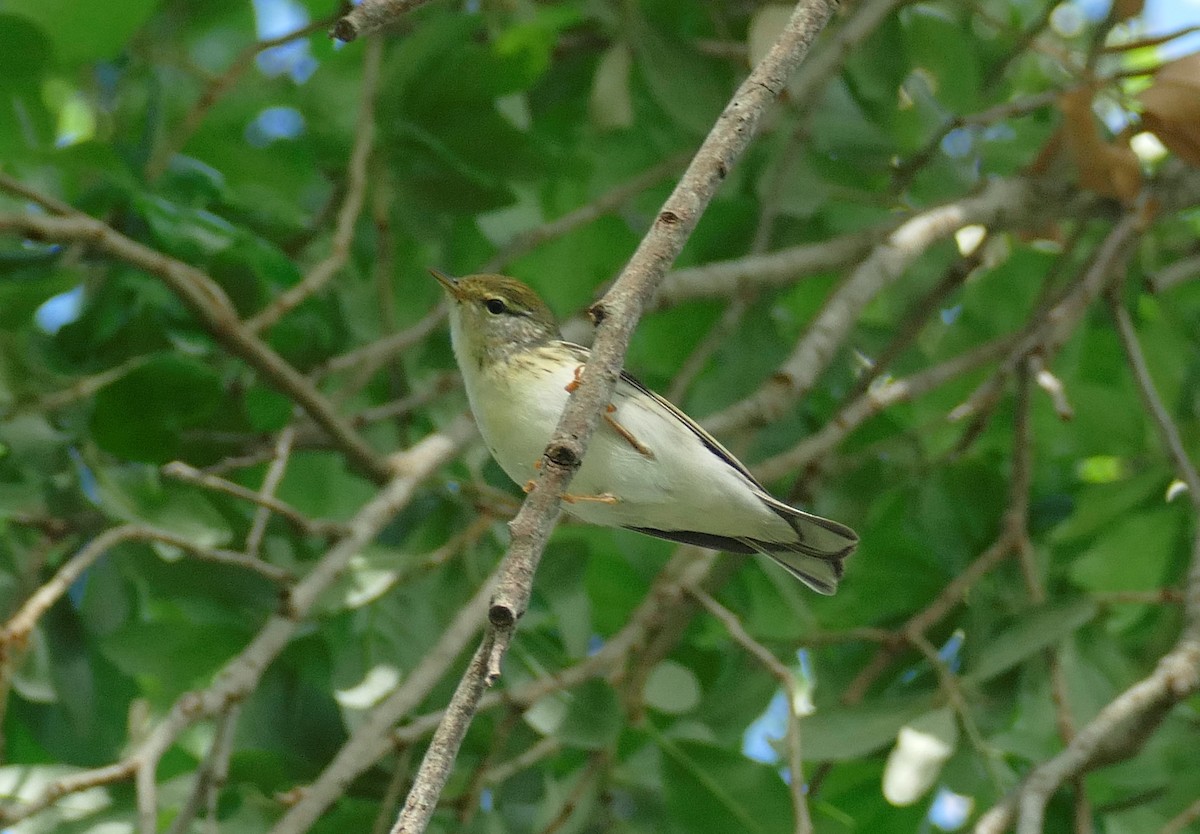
[937, 283]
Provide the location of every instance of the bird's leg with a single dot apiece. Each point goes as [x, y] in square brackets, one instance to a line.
[574, 383]
[640, 447]
[602, 498]
[531, 484]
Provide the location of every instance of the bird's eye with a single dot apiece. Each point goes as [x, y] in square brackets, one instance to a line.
[494, 306]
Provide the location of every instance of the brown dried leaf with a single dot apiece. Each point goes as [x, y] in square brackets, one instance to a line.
[1171, 107]
[1125, 9]
[1104, 167]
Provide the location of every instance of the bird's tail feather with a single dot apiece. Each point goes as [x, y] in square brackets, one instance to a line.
[815, 557]
[817, 572]
[820, 548]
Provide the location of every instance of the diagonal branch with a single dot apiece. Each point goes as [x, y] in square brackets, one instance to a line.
[370, 16]
[994, 206]
[215, 90]
[205, 298]
[616, 316]
[1122, 726]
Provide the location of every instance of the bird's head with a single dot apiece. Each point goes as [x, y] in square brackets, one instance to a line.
[493, 315]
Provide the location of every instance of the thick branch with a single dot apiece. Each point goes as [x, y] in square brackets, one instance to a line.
[1122, 727]
[995, 206]
[205, 298]
[616, 315]
[241, 675]
[370, 16]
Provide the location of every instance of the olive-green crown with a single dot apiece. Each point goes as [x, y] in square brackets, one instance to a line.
[518, 297]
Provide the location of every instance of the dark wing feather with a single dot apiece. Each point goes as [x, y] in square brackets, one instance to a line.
[707, 439]
[712, 541]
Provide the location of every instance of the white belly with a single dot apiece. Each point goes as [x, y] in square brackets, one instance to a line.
[683, 486]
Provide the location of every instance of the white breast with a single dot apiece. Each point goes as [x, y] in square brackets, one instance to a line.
[683, 486]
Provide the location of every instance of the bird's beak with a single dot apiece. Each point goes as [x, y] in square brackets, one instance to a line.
[448, 283]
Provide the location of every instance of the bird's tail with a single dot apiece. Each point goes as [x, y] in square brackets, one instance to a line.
[816, 556]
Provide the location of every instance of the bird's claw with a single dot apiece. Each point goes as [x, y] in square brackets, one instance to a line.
[574, 383]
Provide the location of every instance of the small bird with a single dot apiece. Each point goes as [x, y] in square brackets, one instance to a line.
[649, 467]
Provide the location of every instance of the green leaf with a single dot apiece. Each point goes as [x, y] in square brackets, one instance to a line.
[21, 295]
[266, 409]
[186, 232]
[26, 54]
[839, 733]
[689, 88]
[134, 495]
[1133, 554]
[943, 48]
[561, 581]
[1035, 630]
[170, 657]
[711, 789]
[1099, 506]
[142, 415]
[672, 688]
[85, 31]
[594, 717]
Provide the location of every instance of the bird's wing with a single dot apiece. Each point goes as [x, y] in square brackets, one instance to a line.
[707, 439]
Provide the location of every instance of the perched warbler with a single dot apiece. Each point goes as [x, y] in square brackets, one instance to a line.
[649, 467]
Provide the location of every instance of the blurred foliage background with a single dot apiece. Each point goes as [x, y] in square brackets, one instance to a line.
[1025, 537]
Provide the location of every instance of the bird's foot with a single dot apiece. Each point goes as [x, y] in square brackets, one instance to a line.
[638, 446]
[602, 498]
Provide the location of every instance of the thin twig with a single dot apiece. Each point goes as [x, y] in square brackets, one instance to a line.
[1046, 333]
[540, 749]
[469, 800]
[386, 347]
[1168, 432]
[347, 218]
[84, 387]
[783, 267]
[16, 630]
[271, 481]
[787, 681]
[606, 203]
[308, 526]
[1157, 40]
[994, 206]
[216, 312]
[597, 762]
[49, 203]
[875, 400]
[1180, 823]
[394, 792]
[74, 783]
[914, 320]
[212, 773]
[948, 682]
[215, 91]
